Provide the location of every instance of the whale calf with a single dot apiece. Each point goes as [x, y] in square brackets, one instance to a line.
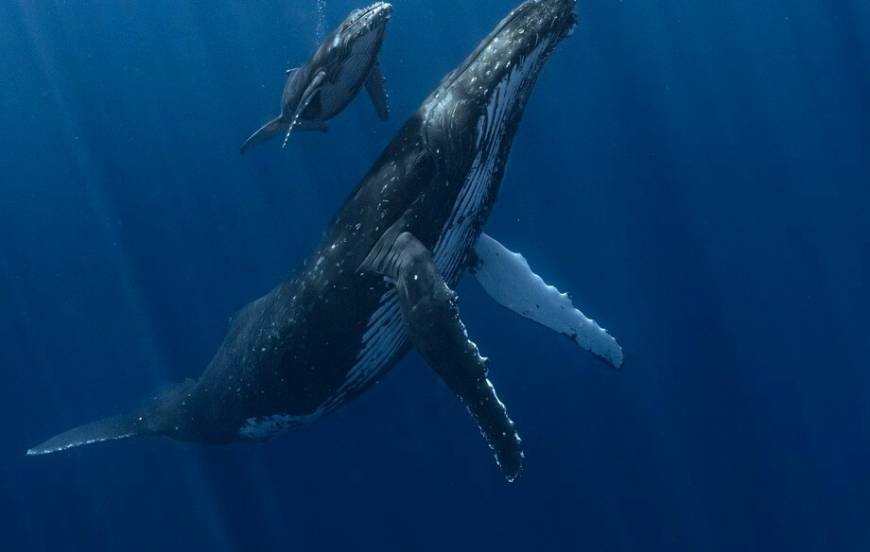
[319, 90]
[381, 280]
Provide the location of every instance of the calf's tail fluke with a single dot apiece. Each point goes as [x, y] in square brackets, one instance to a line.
[270, 129]
[107, 429]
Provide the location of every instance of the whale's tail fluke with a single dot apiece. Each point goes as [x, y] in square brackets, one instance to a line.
[276, 126]
[160, 414]
[107, 429]
[269, 130]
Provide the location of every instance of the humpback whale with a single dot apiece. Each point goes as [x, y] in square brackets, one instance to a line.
[381, 281]
[319, 90]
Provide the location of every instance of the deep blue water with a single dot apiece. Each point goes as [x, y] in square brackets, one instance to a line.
[696, 174]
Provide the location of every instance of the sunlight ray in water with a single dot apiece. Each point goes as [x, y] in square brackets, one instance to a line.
[89, 174]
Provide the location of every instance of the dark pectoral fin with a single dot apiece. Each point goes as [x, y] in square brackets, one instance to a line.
[377, 89]
[436, 330]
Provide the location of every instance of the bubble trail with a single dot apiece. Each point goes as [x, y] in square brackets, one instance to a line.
[320, 29]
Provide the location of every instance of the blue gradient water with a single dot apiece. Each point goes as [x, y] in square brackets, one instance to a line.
[695, 173]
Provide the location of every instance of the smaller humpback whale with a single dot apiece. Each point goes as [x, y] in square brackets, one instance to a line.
[380, 282]
[320, 89]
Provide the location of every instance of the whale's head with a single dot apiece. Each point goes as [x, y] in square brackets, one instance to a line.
[346, 55]
[364, 27]
[477, 107]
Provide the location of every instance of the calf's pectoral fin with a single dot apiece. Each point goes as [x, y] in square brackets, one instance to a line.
[377, 89]
[437, 332]
[508, 278]
[310, 92]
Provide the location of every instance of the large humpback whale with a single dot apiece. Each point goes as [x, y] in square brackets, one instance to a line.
[381, 280]
[345, 61]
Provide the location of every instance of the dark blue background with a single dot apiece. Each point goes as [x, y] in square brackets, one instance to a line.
[695, 173]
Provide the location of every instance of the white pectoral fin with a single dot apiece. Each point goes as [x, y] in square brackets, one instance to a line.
[507, 278]
[308, 95]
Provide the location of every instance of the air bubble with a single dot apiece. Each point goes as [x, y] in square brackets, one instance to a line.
[320, 29]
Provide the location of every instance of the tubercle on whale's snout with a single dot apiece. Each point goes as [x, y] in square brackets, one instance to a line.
[535, 19]
[377, 13]
[549, 14]
[366, 20]
[516, 36]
